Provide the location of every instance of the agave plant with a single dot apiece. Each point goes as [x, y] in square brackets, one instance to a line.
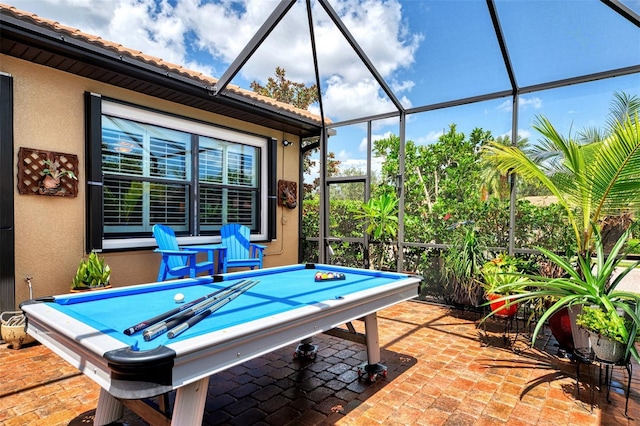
[462, 266]
[91, 273]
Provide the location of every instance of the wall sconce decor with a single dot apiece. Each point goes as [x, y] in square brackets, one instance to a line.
[286, 143]
[288, 192]
[47, 173]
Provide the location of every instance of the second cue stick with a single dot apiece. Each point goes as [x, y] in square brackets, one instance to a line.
[202, 315]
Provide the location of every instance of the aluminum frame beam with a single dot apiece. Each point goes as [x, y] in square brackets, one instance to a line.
[263, 32]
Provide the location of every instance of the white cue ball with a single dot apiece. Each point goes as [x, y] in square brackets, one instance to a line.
[179, 298]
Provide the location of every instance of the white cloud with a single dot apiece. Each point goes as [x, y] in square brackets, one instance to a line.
[522, 133]
[355, 99]
[535, 102]
[524, 103]
[362, 146]
[429, 138]
[207, 37]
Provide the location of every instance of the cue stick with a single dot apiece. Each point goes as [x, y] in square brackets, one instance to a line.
[148, 323]
[202, 315]
[159, 328]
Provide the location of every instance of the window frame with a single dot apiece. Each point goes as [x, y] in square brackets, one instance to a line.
[97, 106]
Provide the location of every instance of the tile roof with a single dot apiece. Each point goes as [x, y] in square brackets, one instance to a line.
[119, 49]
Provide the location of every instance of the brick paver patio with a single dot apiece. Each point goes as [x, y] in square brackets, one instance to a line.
[438, 374]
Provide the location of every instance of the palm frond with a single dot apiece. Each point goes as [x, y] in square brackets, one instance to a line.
[614, 179]
[624, 105]
[591, 135]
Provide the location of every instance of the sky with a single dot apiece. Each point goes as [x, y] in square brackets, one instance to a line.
[427, 52]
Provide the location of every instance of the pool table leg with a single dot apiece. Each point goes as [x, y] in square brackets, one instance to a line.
[109, 409]
[371, 338]
[190, 400]
[372, 369]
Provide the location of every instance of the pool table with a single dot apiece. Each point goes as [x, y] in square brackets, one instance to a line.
[284, 305]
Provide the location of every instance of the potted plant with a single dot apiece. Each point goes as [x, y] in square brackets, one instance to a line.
[52, 175]
[589, 280]
[502, 269]
[462, 264]
[92, 273]
[608, 332]
[593, 176]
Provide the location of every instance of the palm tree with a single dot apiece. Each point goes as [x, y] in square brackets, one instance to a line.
[590, 179]
[494, 182]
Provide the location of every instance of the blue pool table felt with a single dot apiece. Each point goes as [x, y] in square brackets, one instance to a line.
[275, 293]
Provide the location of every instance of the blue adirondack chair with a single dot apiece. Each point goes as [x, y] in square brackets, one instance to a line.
[176, 262]
[241, 252]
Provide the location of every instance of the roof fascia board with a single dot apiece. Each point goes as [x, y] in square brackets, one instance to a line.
[50, 40]
[53, 41]
[237, 100]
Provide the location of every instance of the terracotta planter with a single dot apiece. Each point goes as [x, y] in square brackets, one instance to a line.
[49, 182]
[498, 307]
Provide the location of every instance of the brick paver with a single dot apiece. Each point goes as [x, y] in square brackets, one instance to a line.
[439, 373]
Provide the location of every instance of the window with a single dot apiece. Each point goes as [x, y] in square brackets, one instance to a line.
[226, 172]
[192, 176]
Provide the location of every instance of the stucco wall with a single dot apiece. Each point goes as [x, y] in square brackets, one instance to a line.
[50, 231]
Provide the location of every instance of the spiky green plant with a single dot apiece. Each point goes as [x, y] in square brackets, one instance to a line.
[92, 272]
[591, 279]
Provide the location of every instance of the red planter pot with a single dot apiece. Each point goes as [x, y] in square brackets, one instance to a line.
[560, 326]
[498, 307]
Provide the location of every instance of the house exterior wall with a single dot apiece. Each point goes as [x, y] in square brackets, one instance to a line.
[50, 235]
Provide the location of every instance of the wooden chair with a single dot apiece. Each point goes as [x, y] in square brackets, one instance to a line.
[177, 262]
[241, 252]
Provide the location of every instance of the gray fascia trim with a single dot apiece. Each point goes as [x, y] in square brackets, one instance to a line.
[52, 41]
[237, 100]
[58, 43]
